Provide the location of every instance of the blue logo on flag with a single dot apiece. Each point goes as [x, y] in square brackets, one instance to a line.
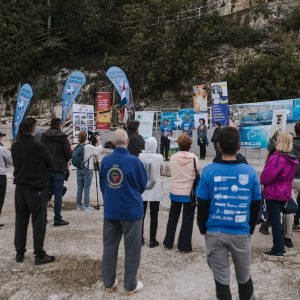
[72, 88]
[23, 100]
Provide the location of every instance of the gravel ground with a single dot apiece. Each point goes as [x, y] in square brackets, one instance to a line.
[165, 274]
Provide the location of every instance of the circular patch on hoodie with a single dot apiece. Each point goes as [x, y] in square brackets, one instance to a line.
[115, 178]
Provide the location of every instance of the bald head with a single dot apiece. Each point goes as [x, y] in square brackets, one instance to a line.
[120, 138]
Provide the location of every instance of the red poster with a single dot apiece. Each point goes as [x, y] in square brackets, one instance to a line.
[103, 110]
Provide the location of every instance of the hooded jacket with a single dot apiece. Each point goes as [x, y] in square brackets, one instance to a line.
[59, 147]
[149, 157]
[183, 172]
[136, 143]
[296, 151]
[277, 176]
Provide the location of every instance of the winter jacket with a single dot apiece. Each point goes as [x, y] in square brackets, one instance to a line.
[122, 181]
[278, 175]
[183, 172]
[154, 165]
[136, 143]
[5, 160]
[31, 161]
[296, 151]
[59, 147]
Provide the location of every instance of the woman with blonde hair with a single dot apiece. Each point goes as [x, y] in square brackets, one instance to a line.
[277, 178]
[183, 173]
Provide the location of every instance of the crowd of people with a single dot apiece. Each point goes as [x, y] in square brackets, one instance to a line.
[230, 199]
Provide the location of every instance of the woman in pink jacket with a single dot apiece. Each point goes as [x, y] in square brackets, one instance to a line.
[183, 175]
[277, 178]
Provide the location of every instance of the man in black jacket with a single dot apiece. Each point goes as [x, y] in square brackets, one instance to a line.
[30, 160]
[136, 141]
[60, 149]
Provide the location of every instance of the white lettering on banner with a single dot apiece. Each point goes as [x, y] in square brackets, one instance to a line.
[240, 218]
[243, 205]
[220, 204]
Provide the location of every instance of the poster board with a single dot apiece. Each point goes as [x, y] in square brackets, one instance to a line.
[146, 123]
[200, 98]
[177, 118]
[279, 120]
[83, 119]
[220, 110]
[198, 116]
[103, 110]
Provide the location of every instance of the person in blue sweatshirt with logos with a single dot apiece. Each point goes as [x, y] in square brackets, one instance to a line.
[229, 198]
[188, 126]
[123, 179]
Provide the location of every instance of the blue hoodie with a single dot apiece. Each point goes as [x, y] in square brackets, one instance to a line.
[123, 179]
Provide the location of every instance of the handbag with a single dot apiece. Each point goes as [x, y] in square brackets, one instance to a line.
[195, 184]
[291, 206]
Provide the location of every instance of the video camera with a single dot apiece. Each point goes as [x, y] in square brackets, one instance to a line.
[92, 137]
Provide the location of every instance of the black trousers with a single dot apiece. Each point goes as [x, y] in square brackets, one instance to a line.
[3, 183]
[32, 202]
[202, 149]
[164, 147]
[185, 235]
[154, 208]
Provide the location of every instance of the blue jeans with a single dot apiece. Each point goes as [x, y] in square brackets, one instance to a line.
[56, 185]
[274, 209]
[84, 181]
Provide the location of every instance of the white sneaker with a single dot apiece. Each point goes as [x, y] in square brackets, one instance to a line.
[138, 288]
[88, 208]
[112, 288]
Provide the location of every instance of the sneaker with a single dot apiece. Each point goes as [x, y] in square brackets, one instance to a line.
[2, 226]
[19, 258]
[61, 223]
[113, 287]
[153, 244]
[45, 259]
[288, 243]
[78, 206]
[264, 230]
[296, 228]
[138, 288]
[88, 208]
[271, 254]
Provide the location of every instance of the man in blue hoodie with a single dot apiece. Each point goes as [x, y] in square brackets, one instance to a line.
[122, 181]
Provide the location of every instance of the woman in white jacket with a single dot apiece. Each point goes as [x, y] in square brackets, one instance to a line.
[154, 166]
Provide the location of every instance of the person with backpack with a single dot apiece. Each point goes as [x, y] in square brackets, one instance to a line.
[229, 199]
[154, 166]
[277, 178]
[183, 173]
[83, 159]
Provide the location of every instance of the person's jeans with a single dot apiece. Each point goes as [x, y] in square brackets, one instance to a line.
[56, 185]
[164, 147]
[274, 209]
[84, 181]
[185, 235]
[154, 208]
[202, 149]
[3, 183]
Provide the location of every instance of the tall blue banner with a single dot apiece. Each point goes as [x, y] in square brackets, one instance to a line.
[72, 88]
[23, 100]
[219, 95]
[118, 79]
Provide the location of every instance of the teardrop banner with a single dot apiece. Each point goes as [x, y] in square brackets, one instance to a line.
[23, 100]
[72, 88]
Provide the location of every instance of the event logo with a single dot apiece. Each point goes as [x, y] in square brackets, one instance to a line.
[243, 179]
[115, 177]
[251, 134]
